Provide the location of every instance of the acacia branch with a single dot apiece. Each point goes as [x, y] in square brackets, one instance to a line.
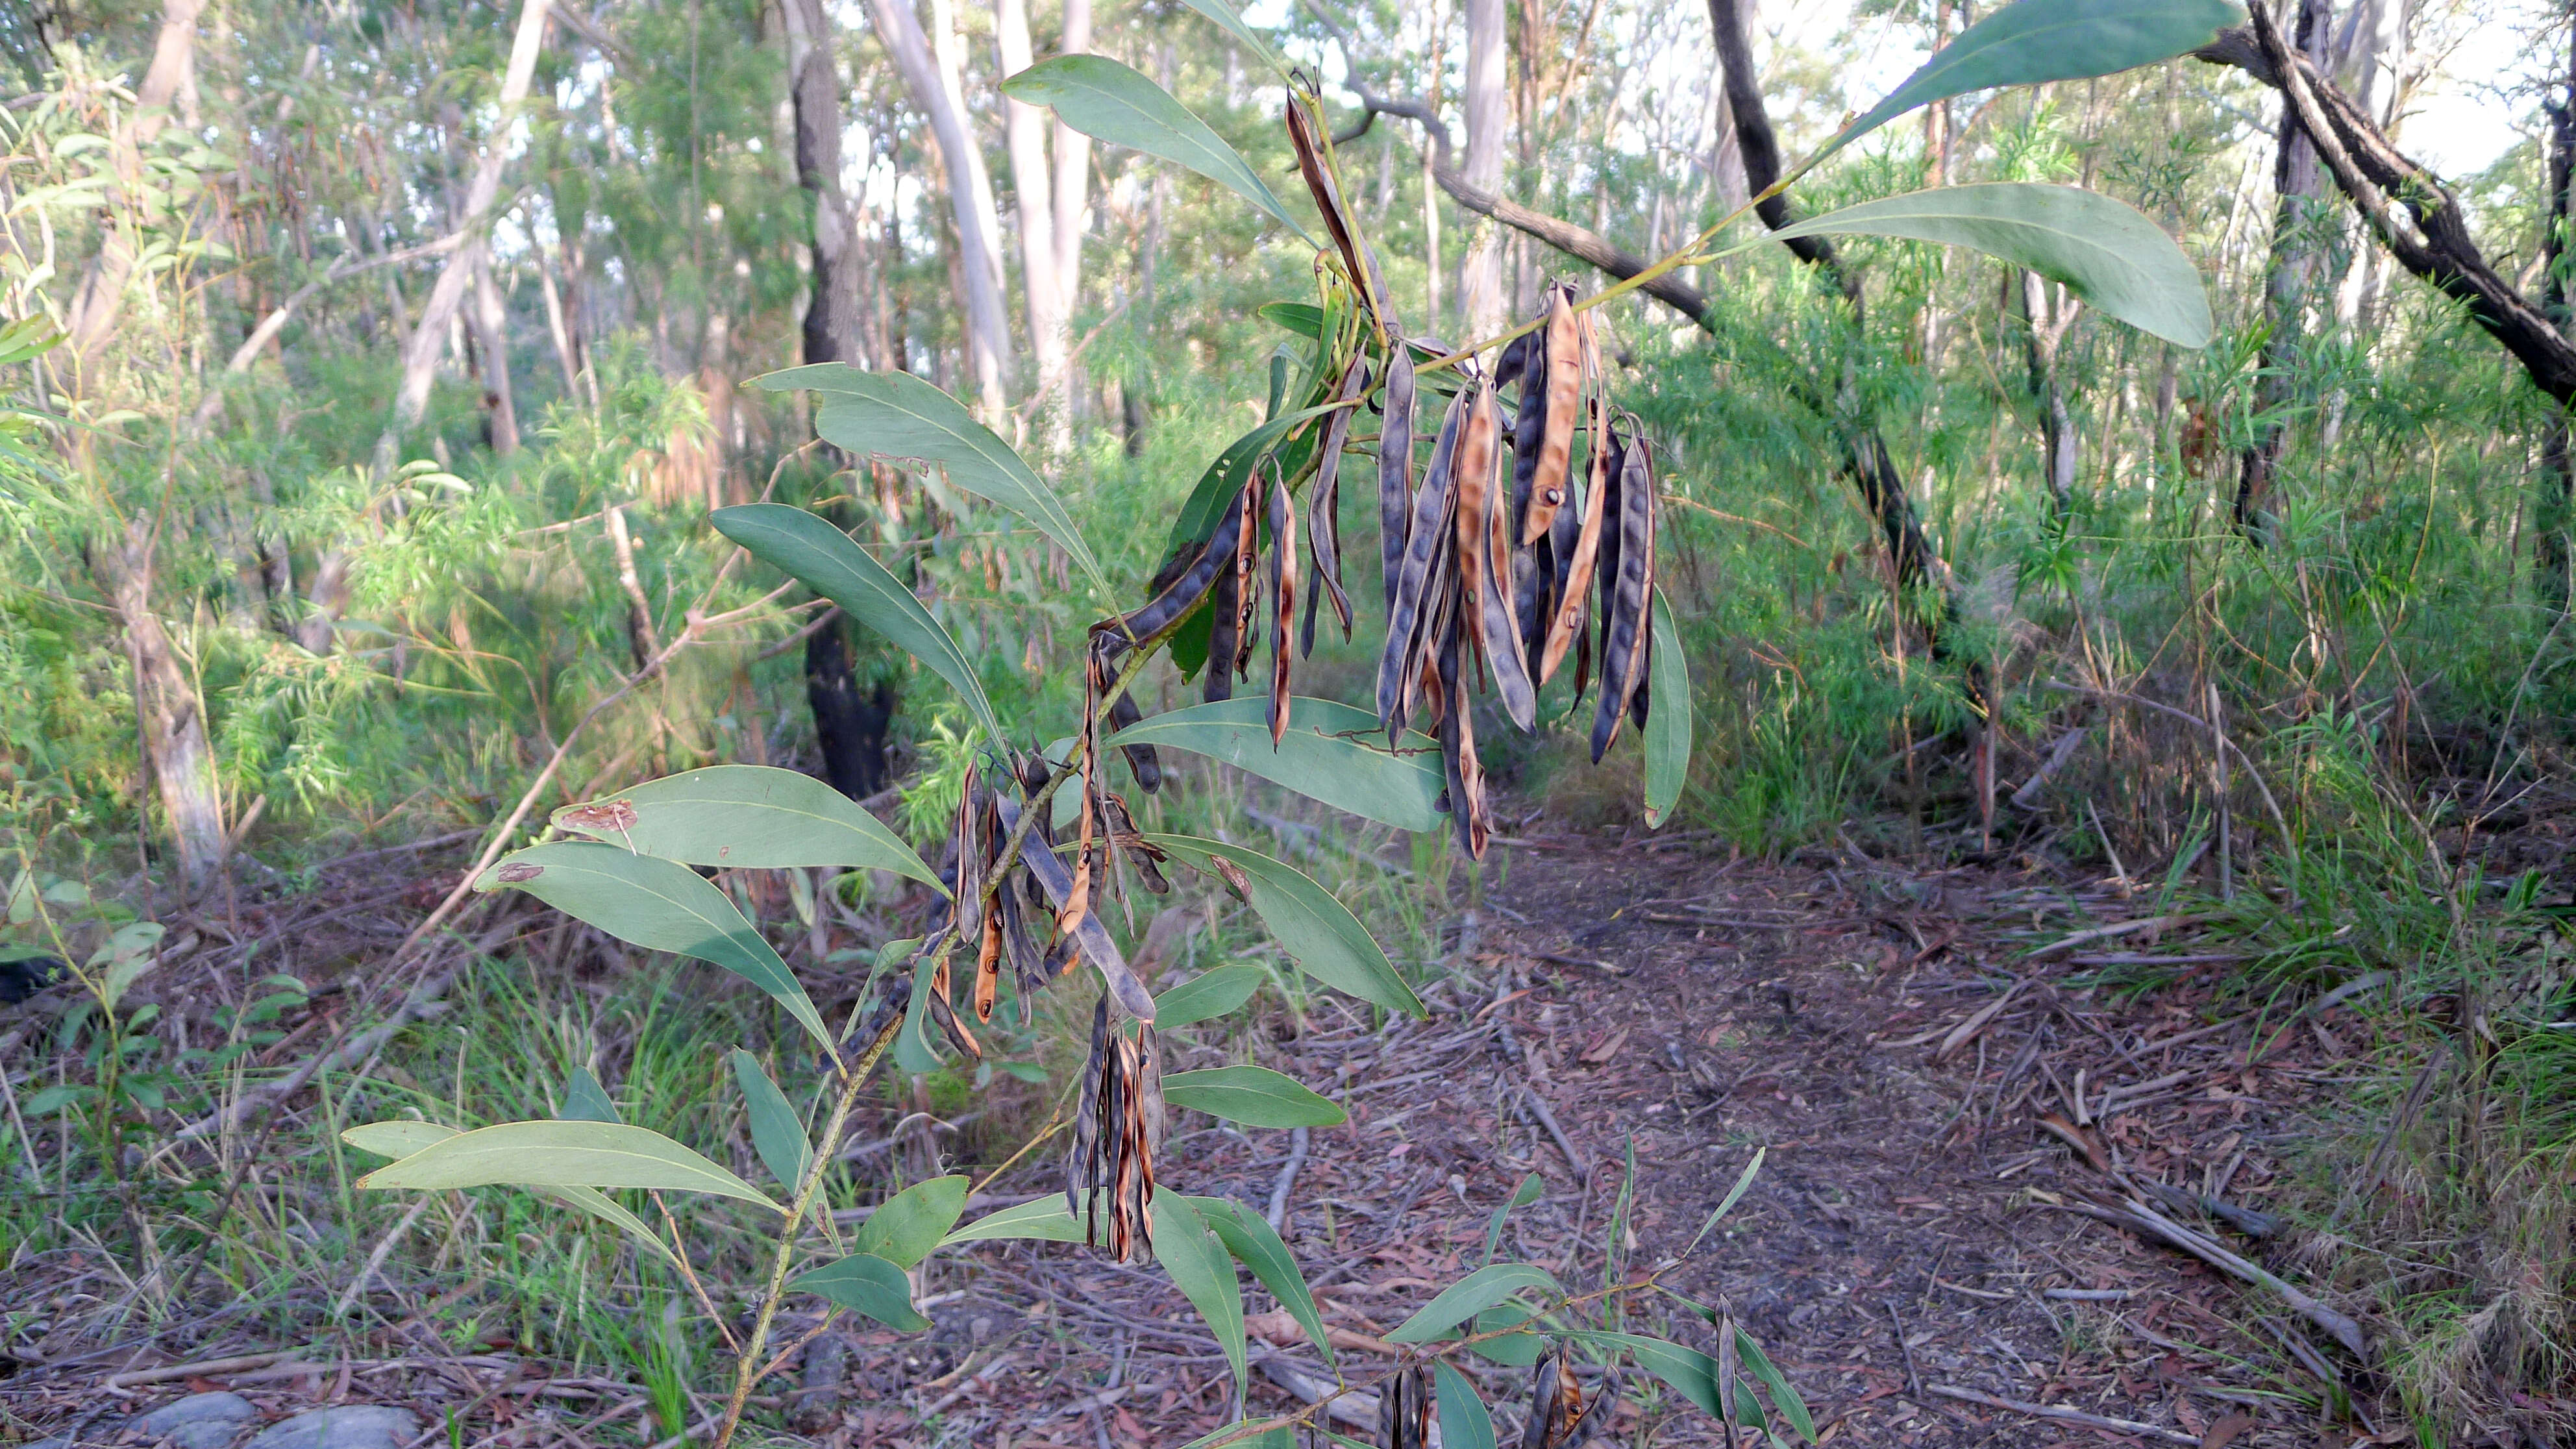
[2431, 238]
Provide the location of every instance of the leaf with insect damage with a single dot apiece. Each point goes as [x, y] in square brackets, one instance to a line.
[748, 817]
[1318, 932]
[660, 905]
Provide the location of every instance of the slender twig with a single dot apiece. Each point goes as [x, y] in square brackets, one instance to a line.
[749, 1370]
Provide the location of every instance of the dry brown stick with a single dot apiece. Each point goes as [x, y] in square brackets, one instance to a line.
[2138, 1217]
[168, 1373]
[2065, 1416]
[2105, 933]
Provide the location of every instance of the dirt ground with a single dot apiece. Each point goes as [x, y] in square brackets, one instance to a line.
[1924, 1259]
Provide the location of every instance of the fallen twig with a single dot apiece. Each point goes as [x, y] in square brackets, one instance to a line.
[2064, 1416]
[2138, 1217]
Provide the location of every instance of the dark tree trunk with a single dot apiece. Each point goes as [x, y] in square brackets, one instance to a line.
[850, 729]
[2558, 471]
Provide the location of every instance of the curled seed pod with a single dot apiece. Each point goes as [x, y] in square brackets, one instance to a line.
[1626, 624]
[1478, 453]
[1404, 1410]
[1283, 600]
[943, 1013]
[1553, 448]
[1426, 534]
[1116, 1130]
[1092, 937]
[1304, 136]
[1132, 844]
[1247, 568]
[1395, 466]
[1605, 569]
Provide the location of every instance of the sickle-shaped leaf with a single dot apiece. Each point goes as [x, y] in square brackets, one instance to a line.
[1249, 1237]
[864, 1283]
[1041, 1218]
[1232, 469]
[1212, 992]
[807, 549]
[1331, 752]
[1115, 103]
[1253, 1096]
[1691, 1373]
[1318, 932]
[2104, 250]
[401, 1139]
[776, 1134]
[1470, 1296]
[747, 817]
[1201, 1270]
[906, 1226]
[562, 1154]
[2035, 41]
[660, 905]
[1464, 1424]
[897, 415]
[1668, 721]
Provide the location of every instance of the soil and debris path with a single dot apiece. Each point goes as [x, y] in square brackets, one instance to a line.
[1970, 1159]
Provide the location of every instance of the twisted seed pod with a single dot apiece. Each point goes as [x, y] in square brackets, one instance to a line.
[1529, 425]
[1304, 139]
[1324, 510]
[1458, 755]
[1568, 623]
[1622, 650]
[1247, 568]
[1553, 447]
[1605, 571]
[1395, 466]
[1283, 600]
[1426, 535]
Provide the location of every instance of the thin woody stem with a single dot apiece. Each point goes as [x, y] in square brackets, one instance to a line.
[750, 1370]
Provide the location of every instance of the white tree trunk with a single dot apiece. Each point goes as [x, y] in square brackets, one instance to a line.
[1024, 127]
[1480, 276]
[1072, 174]
[171, 78]
[987, 320]
[492, 341]
[168, 716]
[420, 357]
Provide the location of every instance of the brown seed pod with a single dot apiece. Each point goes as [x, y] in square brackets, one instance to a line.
[1404, 1409]
[1141, 759]
[1427, 539]
[1478, 455]
[1324, 510]
[1117, 1129]
[1247, 569]
[1305, 138]
[1283, 599]
[943, 1012]
[988, 966]
[1458, 755]
[1554, 447]
[1577, 585]
[1501, 626]
[1225, 588]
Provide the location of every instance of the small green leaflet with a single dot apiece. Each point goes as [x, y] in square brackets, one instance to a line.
[1253, 1096]
[907, 1226]
[864, 1283]
[1232, 469]
[1303, 318]
[585, 1100]
[1111, 102]
[1470, 1296]
[660, 905]
[776, 1133]
[1331, 752]
[747, 817]
[1211, 993]
[897, 415]
[1249, 1237]
[562, 1154]
[2035, 41]
[2105, 251]
[805, 548]
[1318, 932]
[1200, 1268]
[1668, 718]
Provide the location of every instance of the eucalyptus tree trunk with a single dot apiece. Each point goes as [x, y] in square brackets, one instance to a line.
[2285, 292]
[831, 323]
[2046, 314]
[170, 721]
[987, 320]
[1480, 275]
[170, 80]
[1024, 128]
[1072, 173]
[492, 342]
[2557, 510]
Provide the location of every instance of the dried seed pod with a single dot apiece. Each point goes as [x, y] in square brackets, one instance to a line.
[1226, 600]
[1529, 424]
[1305, 138]
[1324, 510]
[943, 1012]
[1577, 586]
[1116, 1131]
[1478, 454]
[1247, 568]
[1283, 600]
[1030, 972]
[1395, 466]
[1404, 1410]
[1625, 626]
[988, 966]
[1553, 447]
[1093, 939]
[1605, 569]
[1141, 759]
[1458, 756]
[1113, 638]
[1499, 613]
[1512, 362]
[1426, 534]
[1131, 843]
